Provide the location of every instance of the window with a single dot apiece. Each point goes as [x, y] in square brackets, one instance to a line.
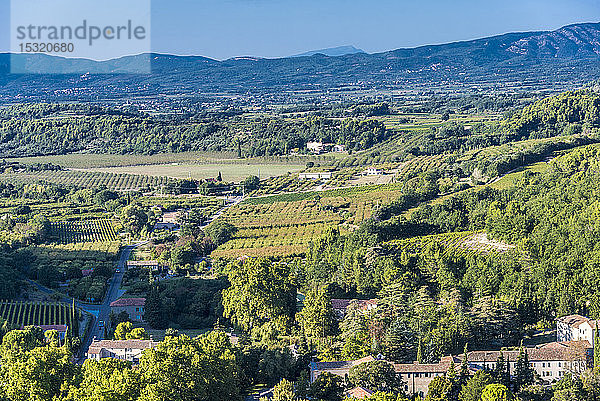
[137, 309]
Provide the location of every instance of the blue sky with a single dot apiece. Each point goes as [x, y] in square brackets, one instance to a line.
[274, 28]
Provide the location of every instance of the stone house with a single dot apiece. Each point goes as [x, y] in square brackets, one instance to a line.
[134, 307]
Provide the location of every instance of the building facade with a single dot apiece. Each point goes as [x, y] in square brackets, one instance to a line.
[576, 328]
[550, 361]
[134, 307]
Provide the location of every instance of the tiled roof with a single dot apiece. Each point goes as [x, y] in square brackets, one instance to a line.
[359, 393]
[98, 345]
[58, 327]
[555, 351]
[128, 302]
[339, 364]
[573, 320]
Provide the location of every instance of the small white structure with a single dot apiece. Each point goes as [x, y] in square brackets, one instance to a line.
[315, 176]
[338, 148]
[315, 147]
[372, 171]
[127, 350]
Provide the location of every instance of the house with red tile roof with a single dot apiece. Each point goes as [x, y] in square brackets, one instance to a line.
[134, 307]
[359, 393]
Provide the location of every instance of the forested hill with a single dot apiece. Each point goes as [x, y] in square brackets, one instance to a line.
[562, 58]
[43, 129]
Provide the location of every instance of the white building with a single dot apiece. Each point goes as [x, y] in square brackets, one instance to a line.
[315, 147]
[576, 328]
[127, 350]
[372, 171]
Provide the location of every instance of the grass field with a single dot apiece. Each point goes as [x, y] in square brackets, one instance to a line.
[509, 180]
[229, 172]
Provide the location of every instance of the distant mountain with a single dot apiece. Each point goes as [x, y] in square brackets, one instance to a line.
[332, 51]
[552, 60]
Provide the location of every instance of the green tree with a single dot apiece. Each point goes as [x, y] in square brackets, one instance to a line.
[107, 380]
[154, 313]
[139, 333]
[472, 390]
[134, 219]
[220, 232]
[181, 368]
[327, 387]
[38, 374]
[122, 330]
[496, 392]
[260, 291]
[317, 317]
[251, 183]
[438, 389]
[375, 375]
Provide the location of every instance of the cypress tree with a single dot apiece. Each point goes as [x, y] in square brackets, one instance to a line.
[420, 351]
[464, 367]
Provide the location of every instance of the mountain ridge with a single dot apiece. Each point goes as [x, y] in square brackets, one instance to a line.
[559, 59]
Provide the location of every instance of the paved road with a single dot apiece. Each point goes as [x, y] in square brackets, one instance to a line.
[101, 312]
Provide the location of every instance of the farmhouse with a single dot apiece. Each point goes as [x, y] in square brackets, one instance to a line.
[134, 307]
[575, 328]
[415, 376]
[144, 264]
[372, 171]
[127, 350]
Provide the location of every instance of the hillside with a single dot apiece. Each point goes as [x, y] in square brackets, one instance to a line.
[556, 59]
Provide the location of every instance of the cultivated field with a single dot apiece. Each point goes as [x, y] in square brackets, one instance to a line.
[36, 313]
[285, 224]
[229, 172]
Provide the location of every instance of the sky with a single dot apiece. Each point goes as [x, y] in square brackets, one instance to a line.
[222, 29]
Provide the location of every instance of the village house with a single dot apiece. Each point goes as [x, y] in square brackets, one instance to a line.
[62, 329]
[415, 376]
[146, 264]
[340, 306]
[550, 361]
[576, 328]
[134, 307]
[127, 350]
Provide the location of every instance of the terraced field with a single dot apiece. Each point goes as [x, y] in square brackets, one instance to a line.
[283, 225]
[101, 230]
